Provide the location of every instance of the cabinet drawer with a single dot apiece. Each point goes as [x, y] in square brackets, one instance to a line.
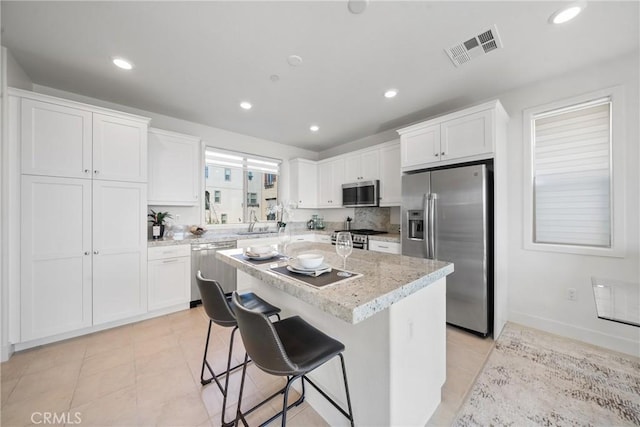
[387, 247]
[172, 251]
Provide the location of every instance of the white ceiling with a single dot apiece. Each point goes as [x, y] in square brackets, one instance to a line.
[197, 60]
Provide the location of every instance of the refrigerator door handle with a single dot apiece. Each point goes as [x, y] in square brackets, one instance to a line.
[426, 201]
[431, 215]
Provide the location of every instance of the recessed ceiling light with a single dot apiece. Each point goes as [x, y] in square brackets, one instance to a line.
[294, 60]
[245, 105]
[314, 128]
[357, 6]
[122, 63]
[391, 93]
[567, 13]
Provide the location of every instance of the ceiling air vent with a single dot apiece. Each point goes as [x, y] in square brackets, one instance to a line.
[477, 45]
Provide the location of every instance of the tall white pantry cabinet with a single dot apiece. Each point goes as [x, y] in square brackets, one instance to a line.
[83, 203]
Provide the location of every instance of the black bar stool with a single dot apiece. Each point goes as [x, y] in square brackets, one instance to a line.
[218, 307]
[290, 347]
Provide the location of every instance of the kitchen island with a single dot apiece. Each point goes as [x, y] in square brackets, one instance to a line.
[391, 318]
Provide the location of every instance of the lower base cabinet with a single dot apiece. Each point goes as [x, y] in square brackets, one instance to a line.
[386, 247]
[169, 276]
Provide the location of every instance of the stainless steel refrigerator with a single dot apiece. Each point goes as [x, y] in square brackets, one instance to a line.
[446, 215]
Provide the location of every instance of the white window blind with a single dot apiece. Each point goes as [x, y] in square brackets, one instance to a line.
[243, 161]
[572, 175]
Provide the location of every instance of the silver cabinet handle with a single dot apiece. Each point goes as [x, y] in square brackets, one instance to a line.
[384, 247]
[436, 154]
[87, 171]
[443, 153]
[96, 171]
[167, 261]
[96, 252]
[87, 253]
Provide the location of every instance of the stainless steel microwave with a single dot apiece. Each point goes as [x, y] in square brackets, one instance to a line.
[361, 194]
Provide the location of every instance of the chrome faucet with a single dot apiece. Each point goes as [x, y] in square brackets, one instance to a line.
[252, 224]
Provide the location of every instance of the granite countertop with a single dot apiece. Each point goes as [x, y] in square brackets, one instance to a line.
[222, 237]
[386, 279]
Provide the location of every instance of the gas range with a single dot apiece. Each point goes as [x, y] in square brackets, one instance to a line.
[360, 237]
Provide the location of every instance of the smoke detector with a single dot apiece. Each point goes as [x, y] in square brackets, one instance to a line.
[478, 45]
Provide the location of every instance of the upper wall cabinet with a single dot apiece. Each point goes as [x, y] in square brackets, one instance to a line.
[303, 184]
[330, 180]
[390, 176]
[466, 135]
[362, 166]
[174, 168]
[69, 139]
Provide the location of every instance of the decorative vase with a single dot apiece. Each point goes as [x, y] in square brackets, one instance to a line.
[158, 231]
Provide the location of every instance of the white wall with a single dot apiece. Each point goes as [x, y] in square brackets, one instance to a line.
[538, 281]
[16, 76]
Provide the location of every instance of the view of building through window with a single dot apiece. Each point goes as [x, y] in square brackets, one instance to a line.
[239, 189]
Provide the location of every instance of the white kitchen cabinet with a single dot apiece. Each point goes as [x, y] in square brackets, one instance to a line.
[70, 139]
[169, 277]
[174, 168]
[119, 148]
[303, 187]
[323, 238]
[56, 140]
[55, 256]
[83, 203]
[361, 166]
[330, 180]
[297, 238]
[119, 250]
[390, 175]
[463, 136]
[383, 246]
[421, 146]
[467, 136]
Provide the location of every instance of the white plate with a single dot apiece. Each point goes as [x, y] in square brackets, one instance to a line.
[315, 272]
[297, 268]
[261, 257]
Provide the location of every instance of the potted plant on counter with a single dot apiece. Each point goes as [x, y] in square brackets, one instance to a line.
[157, 222]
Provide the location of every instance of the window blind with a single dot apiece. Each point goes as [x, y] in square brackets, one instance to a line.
[241, 161]
[572, 175]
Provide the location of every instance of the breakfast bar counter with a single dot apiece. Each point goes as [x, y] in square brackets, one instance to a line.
[390, 316]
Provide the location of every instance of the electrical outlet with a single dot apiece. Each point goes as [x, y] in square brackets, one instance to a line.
[177, 218]
[572, 294]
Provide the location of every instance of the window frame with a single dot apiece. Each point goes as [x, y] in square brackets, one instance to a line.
[617, 158]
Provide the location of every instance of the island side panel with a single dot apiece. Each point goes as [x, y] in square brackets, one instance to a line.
[367, 358]
[417, 355]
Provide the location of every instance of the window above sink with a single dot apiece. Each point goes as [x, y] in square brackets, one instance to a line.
[240, 188]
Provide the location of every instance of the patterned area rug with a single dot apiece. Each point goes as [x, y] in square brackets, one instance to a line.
[532, 378]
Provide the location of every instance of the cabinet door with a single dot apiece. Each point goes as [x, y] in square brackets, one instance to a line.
[119, 250]
[467, 136]
[370, 165]
[169, 282]
[304, 183]
[56, 140]
[386, 247]
[55, 254]
[352, 168]
[420, 147]
[119, 148]
[390, 176]
[174, 169]
[330, 180]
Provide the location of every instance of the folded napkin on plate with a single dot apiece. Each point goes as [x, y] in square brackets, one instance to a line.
[314, 273]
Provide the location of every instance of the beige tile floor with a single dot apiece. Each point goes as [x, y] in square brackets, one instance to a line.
[148, 373]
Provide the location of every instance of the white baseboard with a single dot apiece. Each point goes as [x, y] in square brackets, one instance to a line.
[79, 332]
[590, 336]
[6, 352]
